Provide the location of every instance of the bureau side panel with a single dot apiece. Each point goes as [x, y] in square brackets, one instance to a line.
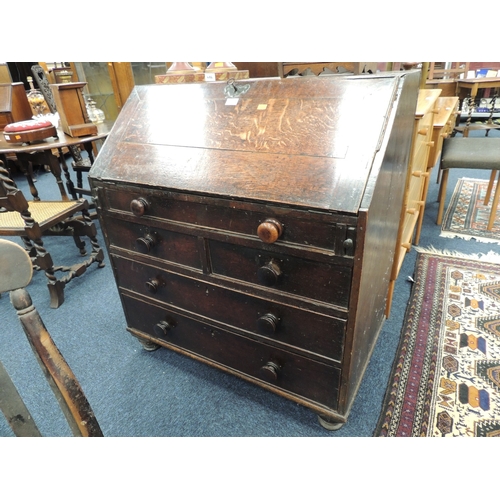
[378, 227]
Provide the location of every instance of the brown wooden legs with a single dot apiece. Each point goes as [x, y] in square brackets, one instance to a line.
[62, 381]
[494, 204]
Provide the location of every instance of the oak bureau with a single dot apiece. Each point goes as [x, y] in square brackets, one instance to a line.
[251, 225]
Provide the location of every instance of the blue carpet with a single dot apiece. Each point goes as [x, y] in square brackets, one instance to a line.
[161, 393]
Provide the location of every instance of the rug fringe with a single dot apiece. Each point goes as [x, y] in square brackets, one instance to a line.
[491, 256]
[445, 234]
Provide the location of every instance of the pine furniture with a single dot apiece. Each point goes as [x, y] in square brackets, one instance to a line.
[416, 179]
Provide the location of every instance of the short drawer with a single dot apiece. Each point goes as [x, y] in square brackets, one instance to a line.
[247, 219]
[318, 382]
[170, 246]
[320, 281]
[320, 334]
[420, 157]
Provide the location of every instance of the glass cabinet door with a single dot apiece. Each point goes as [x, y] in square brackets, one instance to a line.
[145, 72]
[99, 86]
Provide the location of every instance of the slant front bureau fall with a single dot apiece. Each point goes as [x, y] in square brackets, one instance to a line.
[252, 225]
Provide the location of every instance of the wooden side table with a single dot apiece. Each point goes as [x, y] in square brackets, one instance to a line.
[474, 84]
[50, 152]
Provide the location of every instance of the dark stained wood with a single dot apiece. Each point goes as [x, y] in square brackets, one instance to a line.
[72, 109]
[258, 236]
[259, 69]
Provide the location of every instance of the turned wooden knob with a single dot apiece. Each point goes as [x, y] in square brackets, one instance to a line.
[268, 323]
[270, 371]
[269, 273]
[269, 230]
[139, 206]
[163, 327]
[145, 243]
[153, 284]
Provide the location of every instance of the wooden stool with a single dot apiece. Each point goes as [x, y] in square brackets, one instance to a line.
[482, 153]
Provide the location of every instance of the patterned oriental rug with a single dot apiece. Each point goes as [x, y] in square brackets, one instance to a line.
[446, 375]
[467, 216]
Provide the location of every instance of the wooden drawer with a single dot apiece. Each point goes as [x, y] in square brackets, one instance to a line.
[241, 356]
[420, 158]
[171, 246]
[320, 334]
[298, 228]
[321, 281]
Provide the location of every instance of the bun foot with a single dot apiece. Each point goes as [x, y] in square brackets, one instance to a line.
[147, 345]
[328, 424]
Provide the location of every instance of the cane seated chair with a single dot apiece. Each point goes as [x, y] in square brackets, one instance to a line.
[15, 274]
[482, 153]
[36, 219]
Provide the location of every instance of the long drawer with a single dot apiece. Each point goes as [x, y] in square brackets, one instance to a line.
[265, 320]
[325, 231]
[275, 367]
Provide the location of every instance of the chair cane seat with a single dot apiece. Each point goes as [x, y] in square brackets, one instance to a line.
[44, 212]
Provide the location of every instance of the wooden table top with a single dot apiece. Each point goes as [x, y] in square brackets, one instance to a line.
[64, 140]
[426, 100]
[486, 81]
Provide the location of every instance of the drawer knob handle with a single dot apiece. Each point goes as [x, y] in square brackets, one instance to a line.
[268, 323]
[145, 243]
[269, 230]
[154, 284]
[269, 273]
[163, 327]
[270, 371]
[139, 206]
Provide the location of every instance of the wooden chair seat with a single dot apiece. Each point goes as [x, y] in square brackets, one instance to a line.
[46, 213]
[32, 220]
[481, 153]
